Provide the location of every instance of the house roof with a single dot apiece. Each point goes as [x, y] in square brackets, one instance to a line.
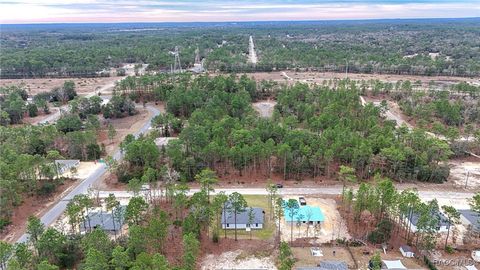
[406, 248]
[396, 264]
[327, 265]
[333, 265]
[242, 217]
[304, 211]
[443, 221]
[67, 162]
[472, 216]
[104, 220]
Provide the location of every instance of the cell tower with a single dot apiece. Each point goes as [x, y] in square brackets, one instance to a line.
[177, 67]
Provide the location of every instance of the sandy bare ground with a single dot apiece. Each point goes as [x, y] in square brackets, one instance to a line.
[264, 108]
[465, 173]
[84, 170]
[236, 260]
[362, 259]
[83, 86]
[333, 228]
[40, 117]
[319, 77]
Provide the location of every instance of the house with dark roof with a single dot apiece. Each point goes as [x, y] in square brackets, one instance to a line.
[471, 219]
[327, 265]
[242, 221]
[413, 217]
[105, 220]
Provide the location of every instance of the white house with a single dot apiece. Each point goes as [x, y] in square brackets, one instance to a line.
[407, 251]
[228, 219]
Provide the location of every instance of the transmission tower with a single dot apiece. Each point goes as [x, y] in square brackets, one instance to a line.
[177, 67]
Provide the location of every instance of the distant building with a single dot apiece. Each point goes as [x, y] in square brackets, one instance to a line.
[407, 251]
[65, 165]
[412, 221]
[306, 213]
[228, 219]
[471, 219]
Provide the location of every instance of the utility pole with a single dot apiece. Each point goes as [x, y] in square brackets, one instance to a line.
[466, 179]
[346, 69]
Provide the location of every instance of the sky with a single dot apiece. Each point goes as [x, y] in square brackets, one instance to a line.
[104, 11]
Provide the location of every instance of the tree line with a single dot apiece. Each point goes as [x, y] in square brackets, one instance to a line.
[436, 47]
[312, 129]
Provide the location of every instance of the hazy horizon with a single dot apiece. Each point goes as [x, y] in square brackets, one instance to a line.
[151, 11]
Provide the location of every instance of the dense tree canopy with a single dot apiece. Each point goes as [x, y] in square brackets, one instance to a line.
[427, 47]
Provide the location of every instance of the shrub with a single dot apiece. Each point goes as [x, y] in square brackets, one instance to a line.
[430, 265]
[4, 223]
[46, 188]
[215, 237]
[32, 110]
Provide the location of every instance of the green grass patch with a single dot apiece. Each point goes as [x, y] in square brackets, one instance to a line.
[268, 230]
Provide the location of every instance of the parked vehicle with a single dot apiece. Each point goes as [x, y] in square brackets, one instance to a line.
[302, 201]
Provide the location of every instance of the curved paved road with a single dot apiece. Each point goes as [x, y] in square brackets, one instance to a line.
[53, 213]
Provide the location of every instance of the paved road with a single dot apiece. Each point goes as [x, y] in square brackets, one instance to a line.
[456, 198]
[53, 213]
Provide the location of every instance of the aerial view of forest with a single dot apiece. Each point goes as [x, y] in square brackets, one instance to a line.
[303, 144]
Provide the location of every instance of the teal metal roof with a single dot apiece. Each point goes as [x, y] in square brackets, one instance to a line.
[304, 212]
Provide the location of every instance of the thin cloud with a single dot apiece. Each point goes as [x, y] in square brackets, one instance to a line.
[33, 11]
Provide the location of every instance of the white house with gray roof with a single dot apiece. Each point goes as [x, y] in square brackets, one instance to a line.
[471, 219]
[413, 217]
[228, 219]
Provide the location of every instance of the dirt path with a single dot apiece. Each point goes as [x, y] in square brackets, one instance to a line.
[320, 77]
[252, 55]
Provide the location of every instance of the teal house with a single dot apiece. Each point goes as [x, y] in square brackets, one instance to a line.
[306, 213]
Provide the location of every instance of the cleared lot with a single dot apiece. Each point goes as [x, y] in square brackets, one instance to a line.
[264, 108]
[237, 260]
[83, 86]
[332, 228]
[465, 173]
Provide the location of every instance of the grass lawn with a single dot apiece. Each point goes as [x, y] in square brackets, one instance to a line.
[268, 231]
